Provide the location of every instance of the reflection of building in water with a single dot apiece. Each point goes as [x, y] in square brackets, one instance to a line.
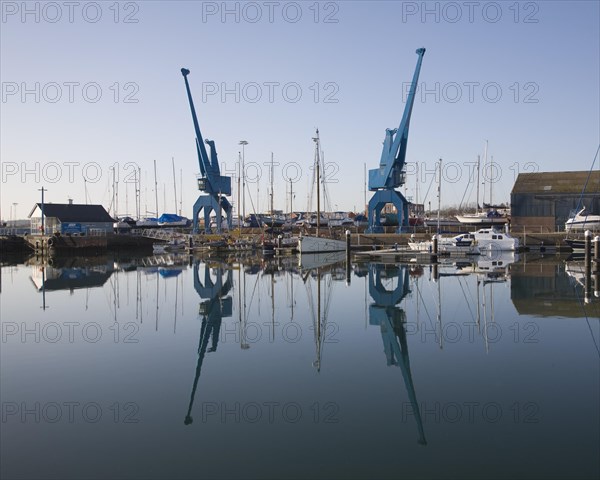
[213, 309]
[70, 276]
[546, 290]
[392, 320]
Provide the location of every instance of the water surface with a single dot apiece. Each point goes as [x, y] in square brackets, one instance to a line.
[171, 367]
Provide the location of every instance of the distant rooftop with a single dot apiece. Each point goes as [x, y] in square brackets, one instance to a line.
[557, 182]
[74, 213]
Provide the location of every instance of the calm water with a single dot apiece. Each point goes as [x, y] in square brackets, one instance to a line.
[167, 367]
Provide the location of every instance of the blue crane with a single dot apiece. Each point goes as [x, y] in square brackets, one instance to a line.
[215, 185]
[390, 174]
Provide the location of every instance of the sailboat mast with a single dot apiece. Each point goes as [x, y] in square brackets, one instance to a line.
[318, 178]
[174, 183]
[180, 190]
[291, 200]
[477, 199]
[271, 188]
[138, 193]
[439, 195]
[491, 181]
[484, 166]
[237, 207]
[365, 186]
[155, 188]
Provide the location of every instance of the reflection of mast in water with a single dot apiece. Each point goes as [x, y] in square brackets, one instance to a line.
[139, 310]
[157, 286]
[317, 362]
[175, 314]
[244, 345]
[392, 320]
[439, 311]
[485, 332]
[320, 313]
[213, 310]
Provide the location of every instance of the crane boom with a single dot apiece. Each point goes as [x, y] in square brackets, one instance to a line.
[393, 156]
[202, 154]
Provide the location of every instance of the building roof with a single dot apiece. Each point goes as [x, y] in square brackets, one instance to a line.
[557, 182]
[74, 213]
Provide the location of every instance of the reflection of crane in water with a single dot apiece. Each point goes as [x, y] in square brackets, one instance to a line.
[216, 306]
[392, 320]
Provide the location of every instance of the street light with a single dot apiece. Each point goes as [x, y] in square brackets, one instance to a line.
[15, 214]
[243, 143]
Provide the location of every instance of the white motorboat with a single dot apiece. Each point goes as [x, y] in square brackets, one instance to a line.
[492, 240]
[583, 221]
[457, 244]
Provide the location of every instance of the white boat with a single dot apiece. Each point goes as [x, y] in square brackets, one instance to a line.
[172, 220]
[492, 240]
[482, 218]
[174, 245]
[148, 222]
[490, 216]
[341, 220]
[318, 244]
[583, 221]
[312, 221]
[310, 244]
[443, 222]
[457, 244]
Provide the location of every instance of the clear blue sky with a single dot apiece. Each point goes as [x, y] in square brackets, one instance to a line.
[543, 57]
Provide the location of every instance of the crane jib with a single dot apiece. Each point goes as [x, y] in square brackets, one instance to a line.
[393, 155]
[203, 159]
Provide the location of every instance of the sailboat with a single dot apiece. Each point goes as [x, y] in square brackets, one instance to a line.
[487, 218]
[318, 244]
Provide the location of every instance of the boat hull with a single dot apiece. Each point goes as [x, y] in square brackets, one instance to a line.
[582, 224]
[309, 244]
[445, 246]
[481, 220]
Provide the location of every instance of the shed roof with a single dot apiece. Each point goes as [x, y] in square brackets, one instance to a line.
[72, 212]
[557, 182]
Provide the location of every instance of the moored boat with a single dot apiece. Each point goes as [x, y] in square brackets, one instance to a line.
[490, 239]
[174, 245]
[310, 244]
[490, 218]
[581, 221]
[457, 244]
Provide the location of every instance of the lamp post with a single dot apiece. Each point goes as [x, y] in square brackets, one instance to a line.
[42, 190]
[237, 208]
[243, 143]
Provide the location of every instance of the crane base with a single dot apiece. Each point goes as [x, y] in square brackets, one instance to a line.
[379, 200]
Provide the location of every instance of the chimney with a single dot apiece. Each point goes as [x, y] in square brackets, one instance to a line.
[70, 201]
